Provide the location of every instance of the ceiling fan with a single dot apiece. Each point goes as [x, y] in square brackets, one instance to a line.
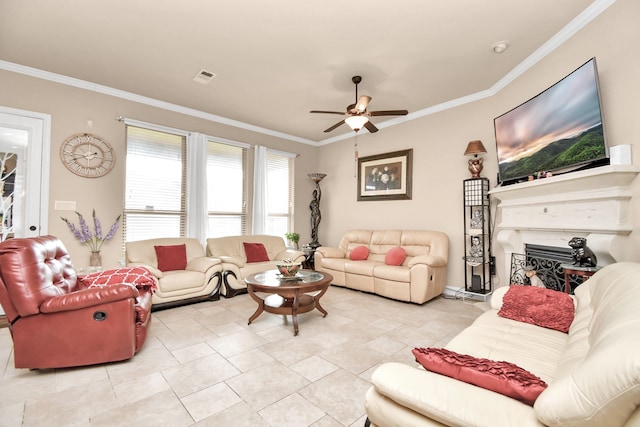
[357, 114]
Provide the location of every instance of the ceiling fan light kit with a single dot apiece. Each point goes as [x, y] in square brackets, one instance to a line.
[357, 114]
[356, 122]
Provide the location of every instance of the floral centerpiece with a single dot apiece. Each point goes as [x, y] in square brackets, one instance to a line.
[288, 268]
[94, 240]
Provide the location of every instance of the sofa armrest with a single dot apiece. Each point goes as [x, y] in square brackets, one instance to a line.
[233, 260]
[430, 260]
[89, 297]
[153, 270]
[296, 256]
[496, 298]
[202, 264]
[329, 252]
[448, 400]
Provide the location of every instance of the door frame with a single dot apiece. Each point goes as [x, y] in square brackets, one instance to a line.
[38, 126]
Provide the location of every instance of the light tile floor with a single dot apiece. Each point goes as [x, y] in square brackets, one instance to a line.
[202, 365]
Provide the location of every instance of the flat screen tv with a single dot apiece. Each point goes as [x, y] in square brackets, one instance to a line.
[559, 130]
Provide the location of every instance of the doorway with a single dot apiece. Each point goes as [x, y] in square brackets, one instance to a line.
[24, 172]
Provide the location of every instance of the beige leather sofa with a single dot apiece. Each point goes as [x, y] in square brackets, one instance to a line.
[230, 250]
[593, 372]
[421, 277]
[201, 278]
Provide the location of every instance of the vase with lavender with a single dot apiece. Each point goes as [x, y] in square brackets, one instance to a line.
[94, 239]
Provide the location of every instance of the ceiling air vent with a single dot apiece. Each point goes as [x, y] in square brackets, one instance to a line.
[204, 77]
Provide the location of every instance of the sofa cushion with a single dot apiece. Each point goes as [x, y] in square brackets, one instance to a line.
[256, 252]
[539, 306]
[359, 253]
[501, 377]
[171, 257]
[395, 256]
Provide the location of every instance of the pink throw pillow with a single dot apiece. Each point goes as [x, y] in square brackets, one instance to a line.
[359, 253]
[395, 256]
[502, 377]
[255, 252]
[171, 257]
[539, 306]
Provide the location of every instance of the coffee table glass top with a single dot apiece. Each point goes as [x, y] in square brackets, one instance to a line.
[274, 278]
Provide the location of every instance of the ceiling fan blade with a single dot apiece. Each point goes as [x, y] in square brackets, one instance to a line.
[334, 126]
[388, 113]
[371, 127]
[327, 112]
[362, 103]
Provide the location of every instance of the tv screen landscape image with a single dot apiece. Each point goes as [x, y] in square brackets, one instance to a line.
[556, 131]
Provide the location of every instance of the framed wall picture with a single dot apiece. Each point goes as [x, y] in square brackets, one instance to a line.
[385, 176]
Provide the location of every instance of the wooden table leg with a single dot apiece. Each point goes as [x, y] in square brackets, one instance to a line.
[317, 302]
[260, 302]
[294, 313]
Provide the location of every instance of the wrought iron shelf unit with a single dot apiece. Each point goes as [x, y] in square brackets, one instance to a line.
[478, 259]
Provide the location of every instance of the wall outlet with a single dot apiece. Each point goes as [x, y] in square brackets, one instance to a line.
[64, 205]
[492, 265]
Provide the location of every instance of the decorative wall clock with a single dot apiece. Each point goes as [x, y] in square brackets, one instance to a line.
[87, 155]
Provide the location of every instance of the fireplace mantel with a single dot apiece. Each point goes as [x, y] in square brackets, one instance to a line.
[593, 203]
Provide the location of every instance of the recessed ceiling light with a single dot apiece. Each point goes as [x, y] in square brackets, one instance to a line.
[500, 47]
[204, 76]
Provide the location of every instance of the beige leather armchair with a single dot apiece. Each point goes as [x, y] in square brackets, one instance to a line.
[231, 251]
[198, 280]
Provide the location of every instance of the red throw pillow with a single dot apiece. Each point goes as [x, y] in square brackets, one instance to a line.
[359, 253]
[501, 377]
[139, 277]
[395, 256]
[255, 252]
[539, 306]
[172, 257]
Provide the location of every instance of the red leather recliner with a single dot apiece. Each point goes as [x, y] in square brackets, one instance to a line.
[56, 321]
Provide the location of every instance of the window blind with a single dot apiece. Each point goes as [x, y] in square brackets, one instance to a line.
[154, 185]
[226, 189]
[280, 188]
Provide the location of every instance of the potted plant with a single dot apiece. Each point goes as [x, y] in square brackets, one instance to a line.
[293, 238]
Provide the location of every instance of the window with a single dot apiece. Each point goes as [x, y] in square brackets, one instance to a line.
[188, 184]
[279, 186]
[226, 189]
[155, 185]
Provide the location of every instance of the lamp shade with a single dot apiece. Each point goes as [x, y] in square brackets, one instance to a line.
[356, 122]
[474, 148]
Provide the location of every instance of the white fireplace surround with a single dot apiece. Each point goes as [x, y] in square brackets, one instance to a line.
[594, 203]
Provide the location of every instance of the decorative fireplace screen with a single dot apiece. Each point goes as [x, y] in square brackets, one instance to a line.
[546, 261]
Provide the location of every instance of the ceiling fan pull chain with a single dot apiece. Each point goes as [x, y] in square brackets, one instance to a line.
[355, 149]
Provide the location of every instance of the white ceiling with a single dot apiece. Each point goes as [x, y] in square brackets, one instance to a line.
[276, 60]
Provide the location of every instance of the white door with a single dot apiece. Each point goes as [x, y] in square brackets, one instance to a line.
[24, 172]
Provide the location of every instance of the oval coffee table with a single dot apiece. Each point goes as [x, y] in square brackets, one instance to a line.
[288, 296]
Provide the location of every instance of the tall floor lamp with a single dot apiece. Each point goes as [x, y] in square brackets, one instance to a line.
[314, 206]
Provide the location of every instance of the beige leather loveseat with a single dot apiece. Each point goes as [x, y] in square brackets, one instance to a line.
[238, 264]
[421, 276]
[592, 372]
[184, 274]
